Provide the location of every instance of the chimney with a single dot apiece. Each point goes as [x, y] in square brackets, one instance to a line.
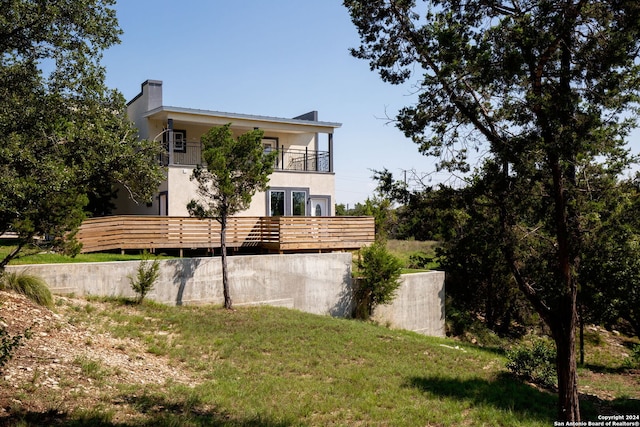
[150, 96]
[153, 89]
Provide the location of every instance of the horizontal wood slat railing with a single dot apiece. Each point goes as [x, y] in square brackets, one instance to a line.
[280, 234]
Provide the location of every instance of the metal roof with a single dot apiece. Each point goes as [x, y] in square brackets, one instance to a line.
[236, 116]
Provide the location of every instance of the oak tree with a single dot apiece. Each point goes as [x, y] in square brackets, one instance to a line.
[66, 137]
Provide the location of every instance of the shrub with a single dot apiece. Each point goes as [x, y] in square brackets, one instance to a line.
[633, 361]
[535, 362]
[32, 287]
[147, 274]
[420, 261]
[379, 279]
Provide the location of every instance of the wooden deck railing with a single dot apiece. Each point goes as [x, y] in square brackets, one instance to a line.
[276, 234]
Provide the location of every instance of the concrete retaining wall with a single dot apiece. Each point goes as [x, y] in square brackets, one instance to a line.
[418, 305]
[314, 283]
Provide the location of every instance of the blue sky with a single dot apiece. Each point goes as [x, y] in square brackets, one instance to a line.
[276, 58]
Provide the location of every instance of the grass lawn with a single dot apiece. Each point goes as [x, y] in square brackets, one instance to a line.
[35, 255]
[268, 366]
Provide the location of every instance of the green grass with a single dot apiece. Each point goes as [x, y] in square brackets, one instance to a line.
[90, 368]
[35, 255]
[32, 287]
[267, 366]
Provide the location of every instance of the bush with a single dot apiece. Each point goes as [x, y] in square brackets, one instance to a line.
[32, 287]
[147, 274]
[379, 279]
[535, 362]
[420, 261]
[633, 361]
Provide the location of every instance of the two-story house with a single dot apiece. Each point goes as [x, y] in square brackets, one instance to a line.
[303, 179]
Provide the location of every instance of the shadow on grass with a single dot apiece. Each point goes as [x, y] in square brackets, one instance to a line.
[504, 393]
[602, 369]
[148, 411]
[619, 405]
[625, 406]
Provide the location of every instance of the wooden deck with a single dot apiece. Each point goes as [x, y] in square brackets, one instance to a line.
[270, 234]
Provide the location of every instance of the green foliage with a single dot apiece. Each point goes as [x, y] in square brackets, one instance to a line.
[420, 261]
[66, 139]
[610, 277]
[236, 168]
[146, 276]
[341, 210]
[379, 274]
[633, 361]
[547, 92]
[534, 361]
[31, 286]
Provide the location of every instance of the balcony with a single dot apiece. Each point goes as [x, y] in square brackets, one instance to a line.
[257, 234]
[289, 159]
[303, 160]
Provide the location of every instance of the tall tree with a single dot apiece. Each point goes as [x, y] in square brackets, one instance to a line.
[545, 84]
[66, 138]
[236, 168]
[610, 282]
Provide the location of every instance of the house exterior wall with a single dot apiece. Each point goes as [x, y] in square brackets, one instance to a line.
[315, 184]
[303, 144]
[181, 190]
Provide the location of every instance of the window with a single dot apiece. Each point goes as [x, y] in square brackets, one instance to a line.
[276, 202]
[179, 140]
[287, 201]
[270, 144]
[299, 203]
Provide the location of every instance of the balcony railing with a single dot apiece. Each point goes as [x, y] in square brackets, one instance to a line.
[289, 159]
[274, 234]
[303, 160]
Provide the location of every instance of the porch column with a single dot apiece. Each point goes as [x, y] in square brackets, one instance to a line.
[170, 139]
[330, 152]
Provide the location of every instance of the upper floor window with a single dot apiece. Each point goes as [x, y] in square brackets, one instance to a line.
[179, 140]
[269, 144]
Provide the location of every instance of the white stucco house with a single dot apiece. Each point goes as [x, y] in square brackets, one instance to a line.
[302, 184]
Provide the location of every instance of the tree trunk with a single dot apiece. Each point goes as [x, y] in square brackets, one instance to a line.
[564, 319]
[11, 255]
[564, 334]
[223, 249]
[581, 320]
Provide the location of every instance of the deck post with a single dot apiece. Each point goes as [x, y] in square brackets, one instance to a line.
[330, 152]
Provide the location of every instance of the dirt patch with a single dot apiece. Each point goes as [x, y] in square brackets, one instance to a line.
[68, 360]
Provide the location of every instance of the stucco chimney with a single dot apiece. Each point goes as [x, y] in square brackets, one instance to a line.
[153, 89]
